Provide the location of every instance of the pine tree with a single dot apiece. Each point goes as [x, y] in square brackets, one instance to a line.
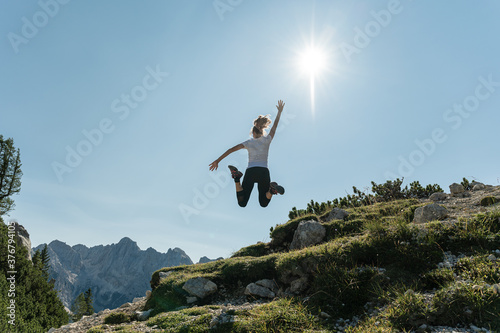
[82, 305]
[10, 174]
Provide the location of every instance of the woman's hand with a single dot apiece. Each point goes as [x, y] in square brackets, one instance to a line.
[214, 165]
[280, 105]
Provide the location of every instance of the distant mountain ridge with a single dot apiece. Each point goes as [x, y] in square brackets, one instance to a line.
[117, 273]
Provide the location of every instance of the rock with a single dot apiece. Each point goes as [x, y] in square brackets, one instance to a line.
[496, 288]
[429, 213]
[137, 299]
[478, 187]
[126, 305]
[191, 299]
[269, 284]
[52, 330]
[438, 196]
[254, 289]
[163, 275]
[492, 257]
[325, 315]
[200, 287]
[143, 315]
[488, 201]
[23, 238]
[298, 285]
[337, 214]
[308, 233]
[456, 189]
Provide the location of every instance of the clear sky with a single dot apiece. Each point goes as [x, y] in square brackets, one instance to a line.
[118, 107]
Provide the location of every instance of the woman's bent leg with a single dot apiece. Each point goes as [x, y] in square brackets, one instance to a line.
[263, 186]
[246, 188]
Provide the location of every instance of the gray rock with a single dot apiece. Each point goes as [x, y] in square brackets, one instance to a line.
[191, 299]
[438, 196]
[125, 305]
[308, 233]
[298, 285]
[478, 187]
[254, 289]
[23, 238]
[200, 287]
[143, 315]
[456, 189]
[337, 214]
[163, 275]
[269, 284]
[430, 213]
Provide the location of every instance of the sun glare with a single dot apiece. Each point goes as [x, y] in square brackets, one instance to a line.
[312, 61]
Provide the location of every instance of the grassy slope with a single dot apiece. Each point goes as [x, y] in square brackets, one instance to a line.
[376, 259]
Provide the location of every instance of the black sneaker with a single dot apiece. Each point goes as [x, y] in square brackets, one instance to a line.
[274, 188]
[235, 173]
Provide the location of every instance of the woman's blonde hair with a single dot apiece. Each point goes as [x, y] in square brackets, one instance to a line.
[260, 124]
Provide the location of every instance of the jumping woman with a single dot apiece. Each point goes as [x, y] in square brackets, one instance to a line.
[257, 171]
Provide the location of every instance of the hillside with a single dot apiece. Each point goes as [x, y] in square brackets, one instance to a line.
[117, 273]
[424, 264]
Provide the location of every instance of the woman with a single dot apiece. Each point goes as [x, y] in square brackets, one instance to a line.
[257, 171]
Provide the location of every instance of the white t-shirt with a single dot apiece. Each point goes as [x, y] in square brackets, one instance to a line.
[258, 150]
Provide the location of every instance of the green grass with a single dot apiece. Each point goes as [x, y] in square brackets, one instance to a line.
[117, 318]
[376, 255]
[188, 320]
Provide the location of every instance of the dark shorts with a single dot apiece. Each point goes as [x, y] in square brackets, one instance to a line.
[259, 175]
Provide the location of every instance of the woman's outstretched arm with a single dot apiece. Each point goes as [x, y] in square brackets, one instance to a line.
[215, 164]
[280, 107]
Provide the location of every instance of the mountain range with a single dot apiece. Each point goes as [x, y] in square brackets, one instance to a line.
[116, 273]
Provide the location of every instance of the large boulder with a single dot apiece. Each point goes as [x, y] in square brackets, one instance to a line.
[457, 190]
[200, 287]
[430, 213]
[337, 214]
[308, 233]
[261, 289]
[438, 196]
[477, 186]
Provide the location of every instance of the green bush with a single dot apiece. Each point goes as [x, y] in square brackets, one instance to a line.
[488, 201]
[117, 318]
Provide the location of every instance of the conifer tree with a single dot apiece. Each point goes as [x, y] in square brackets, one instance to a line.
[10, 174]
[82, 305]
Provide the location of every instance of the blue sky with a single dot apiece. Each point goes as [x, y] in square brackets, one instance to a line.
[148, 93]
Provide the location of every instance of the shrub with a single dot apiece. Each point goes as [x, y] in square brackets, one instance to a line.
[488, 201]
[117, 318]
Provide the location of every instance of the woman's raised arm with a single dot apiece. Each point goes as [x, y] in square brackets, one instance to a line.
[280, 107]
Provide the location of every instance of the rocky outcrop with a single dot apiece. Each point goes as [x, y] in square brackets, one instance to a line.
[263, 288]
[457, 190]
[117, 273]
[337, 214]
[438, 196]
[308, 233]
[200, 287]
[23, 238]
[429, 213]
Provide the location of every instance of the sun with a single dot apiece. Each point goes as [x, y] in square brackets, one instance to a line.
[312, 61]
